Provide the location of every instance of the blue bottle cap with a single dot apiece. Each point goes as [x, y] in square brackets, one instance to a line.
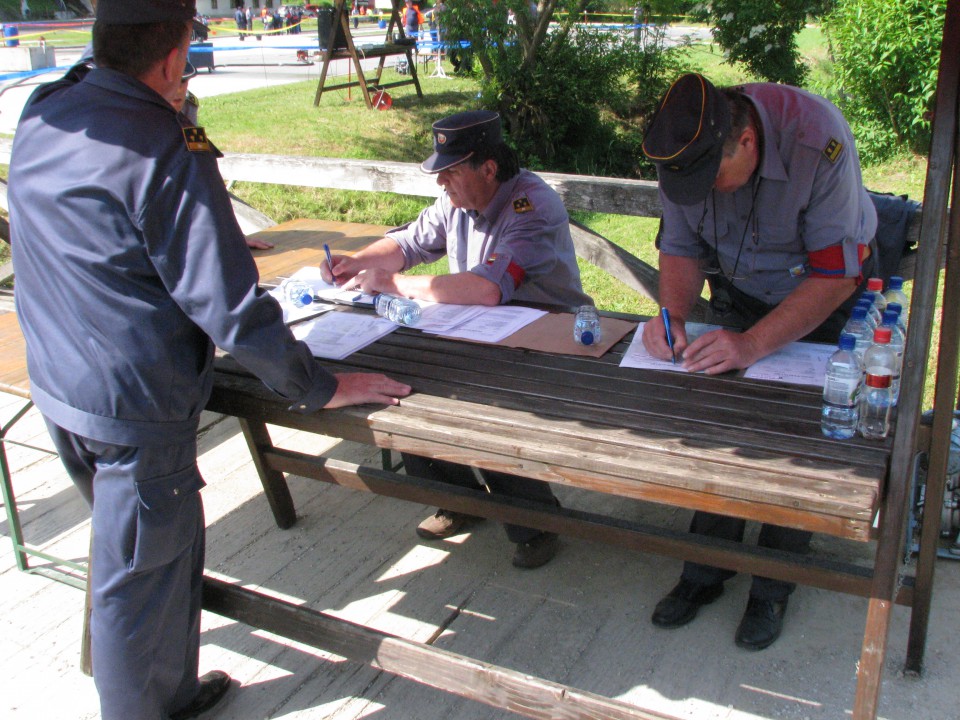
[859, 312]
[848, 341]
[895, 307]
[586, 338]
[895, 282]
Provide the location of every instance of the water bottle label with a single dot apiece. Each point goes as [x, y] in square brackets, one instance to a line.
[877, 381]
[841, 390]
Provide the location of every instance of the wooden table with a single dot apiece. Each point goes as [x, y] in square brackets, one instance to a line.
[721, 444]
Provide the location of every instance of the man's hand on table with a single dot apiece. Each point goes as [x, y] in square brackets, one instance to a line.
[719, 351]
[361, 388]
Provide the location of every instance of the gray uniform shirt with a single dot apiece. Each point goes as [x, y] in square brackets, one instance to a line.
[809, 196]
[130, 266]
[520, 242]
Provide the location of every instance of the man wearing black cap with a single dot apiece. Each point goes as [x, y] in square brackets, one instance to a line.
[130, 266]
[762, 198]
[506, 236]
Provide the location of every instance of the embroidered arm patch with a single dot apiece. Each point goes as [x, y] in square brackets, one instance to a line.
[522, 205]
[833, 150]
[196, 139]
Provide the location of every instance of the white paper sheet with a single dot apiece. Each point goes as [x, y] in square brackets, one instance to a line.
[637, 356]
[493, 324]
[337, 335]
[798, 363]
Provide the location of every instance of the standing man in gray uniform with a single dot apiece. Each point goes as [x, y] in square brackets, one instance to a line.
[130, 265]
[506, 236]
[762, 197]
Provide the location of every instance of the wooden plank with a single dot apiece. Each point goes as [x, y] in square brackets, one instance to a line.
[496, 686]
[13, 357]
[299, 243]
[687, 482]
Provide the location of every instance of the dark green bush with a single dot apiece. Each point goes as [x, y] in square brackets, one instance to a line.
[886, 56]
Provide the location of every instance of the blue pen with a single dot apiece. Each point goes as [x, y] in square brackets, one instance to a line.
[326, 249]
[666, 326]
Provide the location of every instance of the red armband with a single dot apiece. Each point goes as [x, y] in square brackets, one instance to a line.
[829, 262]
[517, 273]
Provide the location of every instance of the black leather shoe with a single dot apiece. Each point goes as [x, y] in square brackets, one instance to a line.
[681, 604]
[213, 686]
[761, 624]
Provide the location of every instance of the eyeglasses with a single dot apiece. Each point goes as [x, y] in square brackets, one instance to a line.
[188, 72]
[709, 260]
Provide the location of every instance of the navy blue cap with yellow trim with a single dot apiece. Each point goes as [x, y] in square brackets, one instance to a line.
[143, 12]
[459, 136]
[685, 138]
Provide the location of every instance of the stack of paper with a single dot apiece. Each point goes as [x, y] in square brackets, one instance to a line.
[480, 323]
[336, 335]
[798, 363]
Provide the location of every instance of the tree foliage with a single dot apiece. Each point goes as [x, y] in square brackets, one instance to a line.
[569, 95]
[886, 54]
[762, 34]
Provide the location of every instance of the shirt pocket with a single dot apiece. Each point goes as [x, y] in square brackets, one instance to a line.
[168, 515]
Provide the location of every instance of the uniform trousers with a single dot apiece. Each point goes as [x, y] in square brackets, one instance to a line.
[146, 571]
[497, 482]
[733, 308]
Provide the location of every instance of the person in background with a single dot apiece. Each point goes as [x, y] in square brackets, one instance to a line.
[411, 19]
[240, 17]
[762, 198]
[506, 236]
[130, 269]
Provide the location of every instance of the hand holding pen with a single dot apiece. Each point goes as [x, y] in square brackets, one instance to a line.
[665, 314]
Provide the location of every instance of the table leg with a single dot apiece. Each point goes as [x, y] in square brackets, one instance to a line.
[274, 482]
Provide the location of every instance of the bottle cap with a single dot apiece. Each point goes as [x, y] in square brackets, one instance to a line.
[875, 284]
[895, 307]
[859, 312]
[895, 283]
[848, 341]
[586, 338]
[881, 335]
[889, 316]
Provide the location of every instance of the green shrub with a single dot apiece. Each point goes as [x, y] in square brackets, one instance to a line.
[886, 54]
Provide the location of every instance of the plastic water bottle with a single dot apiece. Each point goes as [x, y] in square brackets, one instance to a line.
[874, 310]
[897, 340]
[841, 391]
[876, 400]
[896, 294]
[586, 325]
[297, 292]
[865, 302]
[402, 311]
[875, 285]
[857, 326]
[901, 323]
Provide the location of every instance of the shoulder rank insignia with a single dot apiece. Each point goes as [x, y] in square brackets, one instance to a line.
[522, 205]
[196, 140]
[833, 150]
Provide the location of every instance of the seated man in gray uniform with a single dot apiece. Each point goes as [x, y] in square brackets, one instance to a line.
[130, 266]
[506, 236]
[762, 197]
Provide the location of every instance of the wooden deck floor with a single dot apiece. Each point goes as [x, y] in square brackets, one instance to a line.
[582, 620]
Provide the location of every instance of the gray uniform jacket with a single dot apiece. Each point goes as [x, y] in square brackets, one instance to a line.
[810, 197]
[520, 242]
[130, 265]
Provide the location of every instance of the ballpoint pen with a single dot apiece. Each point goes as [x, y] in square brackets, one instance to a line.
[666, 326]
[326, 250]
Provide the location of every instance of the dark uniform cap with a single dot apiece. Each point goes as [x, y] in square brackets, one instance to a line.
[459, 136]
[142, 12]
[685, 138]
